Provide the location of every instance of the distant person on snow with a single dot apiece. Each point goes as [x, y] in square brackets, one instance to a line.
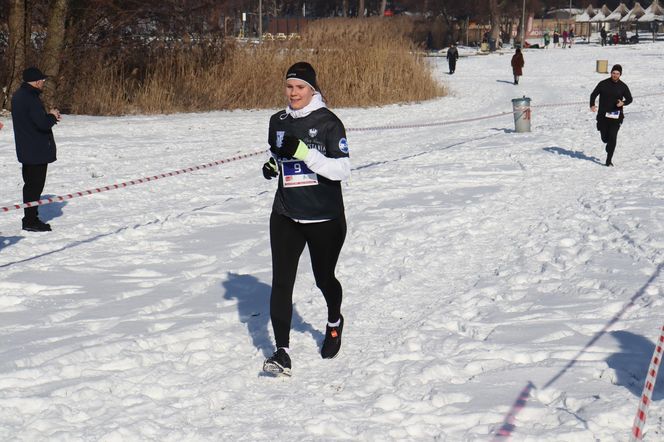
[517, 65]
[35, 145]
[615, 38]
[452, 57]
[614, 95]
[309, 159]
[602, 34]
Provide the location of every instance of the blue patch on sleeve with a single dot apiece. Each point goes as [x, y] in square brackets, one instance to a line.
[343, 145]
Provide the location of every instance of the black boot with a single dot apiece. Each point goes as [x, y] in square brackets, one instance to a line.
[35, 225]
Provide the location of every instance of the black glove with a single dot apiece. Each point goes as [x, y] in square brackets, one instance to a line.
[270, 169]
[291, 147]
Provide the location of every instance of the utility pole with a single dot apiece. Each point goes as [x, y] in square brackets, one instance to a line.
[260, 20]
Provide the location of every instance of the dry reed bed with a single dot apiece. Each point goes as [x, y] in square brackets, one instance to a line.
[359, 63]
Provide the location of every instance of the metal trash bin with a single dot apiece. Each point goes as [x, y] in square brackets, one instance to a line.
[521, 109]
[602, 66]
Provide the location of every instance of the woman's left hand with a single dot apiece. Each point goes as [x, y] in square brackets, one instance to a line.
[291, 147]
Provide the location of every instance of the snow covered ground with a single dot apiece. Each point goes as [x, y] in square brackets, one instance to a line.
[480, 264]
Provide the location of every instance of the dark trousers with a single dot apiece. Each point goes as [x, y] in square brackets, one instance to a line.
[452, 64]
[287, 241]
[609, 128]
[34, 178]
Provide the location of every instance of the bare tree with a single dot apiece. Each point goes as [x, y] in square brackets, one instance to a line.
[495, 11]
[17, 50]
[383, 5]
[360, 8]
[52, 53]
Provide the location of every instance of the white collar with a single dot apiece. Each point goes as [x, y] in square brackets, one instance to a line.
[315, 104]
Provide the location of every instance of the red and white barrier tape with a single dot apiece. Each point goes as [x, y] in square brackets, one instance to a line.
[127, 183]
[485, 117]
[239, 157]
[438, 123]
[508, 426]
[648, 388]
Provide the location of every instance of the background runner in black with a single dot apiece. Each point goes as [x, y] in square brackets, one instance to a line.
[614, 95]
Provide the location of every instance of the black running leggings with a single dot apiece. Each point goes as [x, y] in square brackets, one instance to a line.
[287, 241]
[609, 130]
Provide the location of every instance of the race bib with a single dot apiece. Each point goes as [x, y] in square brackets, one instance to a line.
[295, 173]
[614, 115]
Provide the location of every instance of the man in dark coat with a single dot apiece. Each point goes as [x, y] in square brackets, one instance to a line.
[602, 34]
[452, 57]
[35, 145]
[614, 95]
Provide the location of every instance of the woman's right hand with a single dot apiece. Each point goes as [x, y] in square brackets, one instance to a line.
[270, 169]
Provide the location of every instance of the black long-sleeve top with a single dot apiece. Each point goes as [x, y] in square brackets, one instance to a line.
[610, 93]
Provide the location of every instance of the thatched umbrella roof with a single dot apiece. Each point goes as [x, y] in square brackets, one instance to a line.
[601, 15]
[588, 13]
[654, 12]
[633, 15]
[618, 13]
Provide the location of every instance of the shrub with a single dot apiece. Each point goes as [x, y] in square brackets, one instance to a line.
[366, 62]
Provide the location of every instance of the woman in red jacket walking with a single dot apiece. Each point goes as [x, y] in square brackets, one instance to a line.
[517, 65]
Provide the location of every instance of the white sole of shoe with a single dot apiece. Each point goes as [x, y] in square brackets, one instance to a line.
[275, 369]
